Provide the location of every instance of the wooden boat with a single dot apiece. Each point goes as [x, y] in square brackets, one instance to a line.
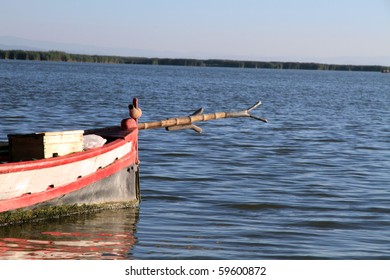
[100, 177]
[51, 174]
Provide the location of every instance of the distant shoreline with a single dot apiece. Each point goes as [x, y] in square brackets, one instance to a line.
[60, 56]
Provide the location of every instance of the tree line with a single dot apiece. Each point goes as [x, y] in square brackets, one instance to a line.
[68, 57]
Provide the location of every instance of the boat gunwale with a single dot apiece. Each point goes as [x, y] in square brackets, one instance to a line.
[11, 167]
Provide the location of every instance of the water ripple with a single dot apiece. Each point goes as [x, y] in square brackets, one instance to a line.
[313, 183]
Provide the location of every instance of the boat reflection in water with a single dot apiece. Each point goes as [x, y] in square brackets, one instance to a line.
[108, 234]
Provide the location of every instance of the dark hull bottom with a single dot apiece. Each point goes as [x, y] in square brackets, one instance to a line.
[119, 190]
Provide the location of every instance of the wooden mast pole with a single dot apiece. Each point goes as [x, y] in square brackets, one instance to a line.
[187, 121]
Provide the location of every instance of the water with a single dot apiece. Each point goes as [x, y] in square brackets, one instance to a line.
[313, 183]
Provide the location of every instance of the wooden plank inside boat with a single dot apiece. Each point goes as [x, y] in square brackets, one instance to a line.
[44, 145]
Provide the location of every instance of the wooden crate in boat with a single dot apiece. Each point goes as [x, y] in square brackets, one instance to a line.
[45, 144]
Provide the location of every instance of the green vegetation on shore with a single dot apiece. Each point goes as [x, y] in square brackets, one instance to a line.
[67, 57]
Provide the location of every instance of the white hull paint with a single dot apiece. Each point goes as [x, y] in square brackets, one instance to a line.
[38, 180]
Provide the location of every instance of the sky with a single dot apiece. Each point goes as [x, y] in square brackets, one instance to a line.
[327, 31]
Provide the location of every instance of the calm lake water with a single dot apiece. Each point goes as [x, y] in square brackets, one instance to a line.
[313, 183]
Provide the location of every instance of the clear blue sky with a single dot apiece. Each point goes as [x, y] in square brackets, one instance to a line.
[295, 30]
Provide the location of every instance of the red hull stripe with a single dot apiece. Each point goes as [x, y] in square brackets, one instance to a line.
[32, 199]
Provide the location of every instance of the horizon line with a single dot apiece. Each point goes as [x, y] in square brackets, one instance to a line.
[184, 58]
